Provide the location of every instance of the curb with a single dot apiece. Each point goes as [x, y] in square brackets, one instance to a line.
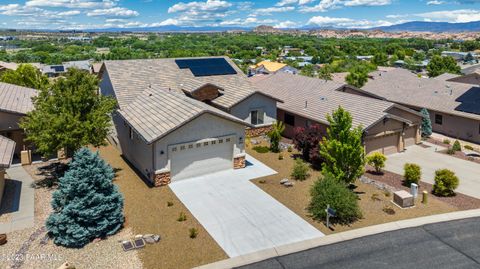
[338, 237]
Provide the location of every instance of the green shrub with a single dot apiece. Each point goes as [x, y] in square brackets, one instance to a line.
[280, 156]
[289, 149]
[468, 147]
[456, 146]
[412, 173]
[445, 183]
[446, 141]
[261, 149]
[300, 170]
[329, 191]
[169, 203]
[376, 160]
[193, 233]
[389, 210]
[450, 151]
[275, 134]
[182, 217]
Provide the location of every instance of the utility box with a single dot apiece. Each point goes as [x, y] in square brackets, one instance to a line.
[403, 199]
[414, 190]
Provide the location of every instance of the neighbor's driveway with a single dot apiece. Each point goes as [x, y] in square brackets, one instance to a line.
[430, 161]
[238, 215]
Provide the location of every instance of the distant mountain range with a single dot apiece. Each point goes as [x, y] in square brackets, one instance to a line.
[422, 26]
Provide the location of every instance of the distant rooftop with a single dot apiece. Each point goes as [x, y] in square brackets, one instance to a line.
[16, 99]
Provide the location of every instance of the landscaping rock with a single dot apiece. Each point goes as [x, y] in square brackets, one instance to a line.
[283, 181]
[288, 184]
[151, 238]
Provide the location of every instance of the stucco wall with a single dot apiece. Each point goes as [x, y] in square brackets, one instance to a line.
[457, 127]
[299, 122]
[203, 127]
[256, 101]
[416, 119]
[9, 121]
[383, 127]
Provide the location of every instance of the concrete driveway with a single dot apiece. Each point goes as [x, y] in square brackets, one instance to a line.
[430, 161]
[237, 214]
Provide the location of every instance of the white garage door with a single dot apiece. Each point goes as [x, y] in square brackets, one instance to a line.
[200, 158]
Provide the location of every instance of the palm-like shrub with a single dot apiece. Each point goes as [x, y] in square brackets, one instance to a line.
[275, 134]
[377, 160]
[445, 183]
[87, 205]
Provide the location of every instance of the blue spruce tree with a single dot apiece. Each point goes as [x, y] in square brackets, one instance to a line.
[87, 205]
[426, 123]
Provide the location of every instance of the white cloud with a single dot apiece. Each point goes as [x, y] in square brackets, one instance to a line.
[270, 10]
[250, 21]
[72, 3]
[324, 21]
[9, 7]
[460, 15]
[435, 2]
[323, 6]
[209, 5]
[166, 22]
[69, 13]
[286, 24]
[351, 3]
[113, 12]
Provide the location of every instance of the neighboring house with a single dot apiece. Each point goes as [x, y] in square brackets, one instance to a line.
[179, 118]
[4, 66]
[387, 127]
[59, 69]
[7, 147]
[15, 103]
[268, 67]
[458, 55]
[453, 103]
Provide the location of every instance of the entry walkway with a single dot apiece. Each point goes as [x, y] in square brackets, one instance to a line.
[237, 214]
[24, 201]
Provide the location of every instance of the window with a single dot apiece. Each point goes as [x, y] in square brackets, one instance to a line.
[213, 142]
[289, 119]
[190, 146]
[256, 117]
[174, 149]
[220, 141]
[438, 119]
[199, 145]
[182, 147]
[205, 143]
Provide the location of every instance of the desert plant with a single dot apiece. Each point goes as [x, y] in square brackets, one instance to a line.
[376, 160]
[87, 205]
[275, 134]
[193, 233]
[329, 191]
[375, 197]
[445, 183]
[446, 141]
[389, 210]
[468, 147]
[169, 203]
[261, 149]
[262, 181]
[280, 156]
[456, 146]
[412, 173]
[182, 217]
[300, 170]
[289, 149]
[450, 151]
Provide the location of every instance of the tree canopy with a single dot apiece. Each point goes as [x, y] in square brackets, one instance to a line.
[25, 75]
[69, 114]
[439, 65]
[357, 77]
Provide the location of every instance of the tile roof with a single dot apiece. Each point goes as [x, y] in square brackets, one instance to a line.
[130, 77]
[402, 86]
[7, 147]
[315, 98]
[155, 113]
[270, 66]
[15, 98]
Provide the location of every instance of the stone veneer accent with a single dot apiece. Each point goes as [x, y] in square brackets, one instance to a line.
[258, 131]
[161, 178]
[239, 161]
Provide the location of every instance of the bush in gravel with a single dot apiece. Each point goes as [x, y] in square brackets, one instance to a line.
[300, 170]
[446, 141]
[329, 191]
[261, 149]
[87, 205]
[468, 147]
[445, 183]
[377, 160]
[275, 134]
[412, 173]
[182, 217]
[193, 233]
[456, 146]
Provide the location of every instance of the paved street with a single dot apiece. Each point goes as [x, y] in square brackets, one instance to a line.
[430, 161]
[454, 244]
[237, 214]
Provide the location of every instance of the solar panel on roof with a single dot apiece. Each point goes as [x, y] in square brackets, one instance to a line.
[470, 101]
[58, 68]
[206, 66]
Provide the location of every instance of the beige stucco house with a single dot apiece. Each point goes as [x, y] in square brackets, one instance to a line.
[387, 127]
[7, 147]
[453, 101]
[180, 118]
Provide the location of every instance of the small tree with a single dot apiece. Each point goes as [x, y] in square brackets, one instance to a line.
[412, 173]
[325, 72]
[26, 75]
[275, 134]
[426, 123]
[329, 191]
[376, 160]
[69, 115]
[342, 149]
[307, 141]
[87, 205]
[357, 77]
[300, 170]
[456, 146]
[445, 183]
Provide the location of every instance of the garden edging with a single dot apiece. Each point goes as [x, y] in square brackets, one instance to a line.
[338, 237]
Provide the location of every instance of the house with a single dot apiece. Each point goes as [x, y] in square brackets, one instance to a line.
[457, 55]
[453, 101]
[387, 127]
[7, 66]
[15, 103]
[179, 118]
[7, 147]
[60, 69]
[268, 67]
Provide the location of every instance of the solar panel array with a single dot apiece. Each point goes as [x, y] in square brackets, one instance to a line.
[470, 101]
[206, 67]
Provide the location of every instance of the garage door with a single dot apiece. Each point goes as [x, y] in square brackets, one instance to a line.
[385, 144]
[200, 158]
[410, 135]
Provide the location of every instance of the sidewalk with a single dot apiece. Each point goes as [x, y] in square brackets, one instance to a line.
[24, 217]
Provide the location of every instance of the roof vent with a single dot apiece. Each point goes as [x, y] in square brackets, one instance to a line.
[306, 103]
[323, 98]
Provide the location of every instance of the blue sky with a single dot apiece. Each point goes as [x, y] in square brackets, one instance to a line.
[89, 14]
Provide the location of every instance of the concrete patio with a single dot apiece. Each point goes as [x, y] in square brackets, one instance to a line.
[238, 215]
[468, 172]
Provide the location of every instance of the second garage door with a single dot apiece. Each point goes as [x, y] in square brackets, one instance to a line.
[200, 158]
[385, 144]
[410, 135]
